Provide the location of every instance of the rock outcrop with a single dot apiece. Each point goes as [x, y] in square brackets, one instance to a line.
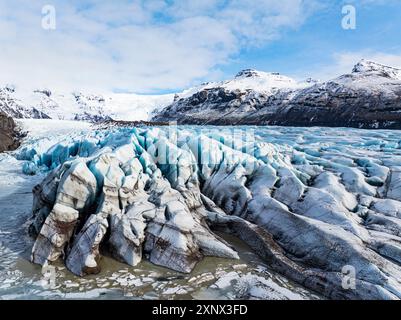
[9, 135]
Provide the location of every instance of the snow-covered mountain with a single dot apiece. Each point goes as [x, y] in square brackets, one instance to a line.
[368, 97]
[14, 107]
[373, 68]
[227, 101]
[45, 103]
[248, 79]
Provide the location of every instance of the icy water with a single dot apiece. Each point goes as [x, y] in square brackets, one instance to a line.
[213, 278]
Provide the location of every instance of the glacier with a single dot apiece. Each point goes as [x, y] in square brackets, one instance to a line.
[309, 201]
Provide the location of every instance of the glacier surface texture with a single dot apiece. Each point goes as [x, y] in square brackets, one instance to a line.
[313, 203]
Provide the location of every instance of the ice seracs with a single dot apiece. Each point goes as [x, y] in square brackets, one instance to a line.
[125, 191]
[160, 194]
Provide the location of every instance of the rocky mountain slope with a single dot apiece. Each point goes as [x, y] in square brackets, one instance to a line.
[368, 97]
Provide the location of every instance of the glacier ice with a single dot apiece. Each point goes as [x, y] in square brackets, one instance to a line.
[308, 207]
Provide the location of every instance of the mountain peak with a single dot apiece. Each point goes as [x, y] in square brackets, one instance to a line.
[252, 73]
[247, 73]
[368, 66]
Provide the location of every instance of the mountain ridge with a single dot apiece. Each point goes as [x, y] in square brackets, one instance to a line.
[368, 97]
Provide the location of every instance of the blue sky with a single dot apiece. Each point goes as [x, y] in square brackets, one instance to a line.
[321, 48]
[159, 46]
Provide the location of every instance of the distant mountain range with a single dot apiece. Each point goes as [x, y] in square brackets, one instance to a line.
[368, 97]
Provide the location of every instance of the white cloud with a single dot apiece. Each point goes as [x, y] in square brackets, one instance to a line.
[135, 45]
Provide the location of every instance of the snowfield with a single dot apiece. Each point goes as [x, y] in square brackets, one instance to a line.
[309, 202]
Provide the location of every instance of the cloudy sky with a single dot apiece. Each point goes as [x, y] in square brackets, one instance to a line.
[158, 46]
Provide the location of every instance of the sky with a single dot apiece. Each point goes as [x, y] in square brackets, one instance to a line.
[161, 46]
